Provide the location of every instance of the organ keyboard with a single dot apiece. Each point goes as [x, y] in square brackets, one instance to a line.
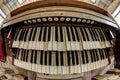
[60, 37]
[59, 62]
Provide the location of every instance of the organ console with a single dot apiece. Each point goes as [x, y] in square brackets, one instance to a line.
[59, 37]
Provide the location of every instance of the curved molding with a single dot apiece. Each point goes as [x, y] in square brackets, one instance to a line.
[60, 11]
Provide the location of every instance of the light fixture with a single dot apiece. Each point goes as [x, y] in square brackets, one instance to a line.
[21, 1]
[93, 1]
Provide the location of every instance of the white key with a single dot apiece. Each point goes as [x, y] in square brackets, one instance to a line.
[73, 43]
[47, 66]
[42, 42]
[68, 43]
[31, 43]
[38, 62]
[50, 43]
[47, 69]
[65, 68]
[64, 39]
[17, 41]
[46, 41]
[26, 43]
[37, 44]
[51, 70]
[43, 68]
[59, 71]
[80, 63]
[55, 44]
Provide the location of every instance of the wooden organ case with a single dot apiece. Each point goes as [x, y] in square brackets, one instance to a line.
[59, 37]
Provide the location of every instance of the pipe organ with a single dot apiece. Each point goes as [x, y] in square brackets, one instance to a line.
[59, 37]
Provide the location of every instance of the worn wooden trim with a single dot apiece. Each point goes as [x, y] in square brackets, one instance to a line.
[31, 75]
[61, 8]
[68, 76]
[59, 13]
[48, 3]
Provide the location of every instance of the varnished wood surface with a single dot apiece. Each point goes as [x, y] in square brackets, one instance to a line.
[47, 3]
[60, 11]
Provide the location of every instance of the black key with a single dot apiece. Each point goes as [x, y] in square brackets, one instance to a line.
[73, 35]
[86, 56]
[83, 59]
[61, 34]
[91, 56]
[68, 34]
[94, 55]
[25, 38]
[77, 34]
[31, 59]
[41, 58]
[35, 57]
[33, 38]
[61, 58]
[30, 34]
[110, 35]
[44, 34]
[21, 54]
[91, 33]
[56, 34]
[45, 58]
[24, 54]
[57, 59]
[21, 35]
[73, 59]
[97, 58]
[107, 54]
[27, 53]
[40, 34]
[102, 55]
[102, 35]
[68, 57]
[50, 58]
[16, 35]
[76, 57]
[105, 35]
[49, 33]
[86, 34]
[16, 53]
[96, 35]
[83, 34]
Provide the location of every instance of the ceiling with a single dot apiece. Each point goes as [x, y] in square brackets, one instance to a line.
[8, 5]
